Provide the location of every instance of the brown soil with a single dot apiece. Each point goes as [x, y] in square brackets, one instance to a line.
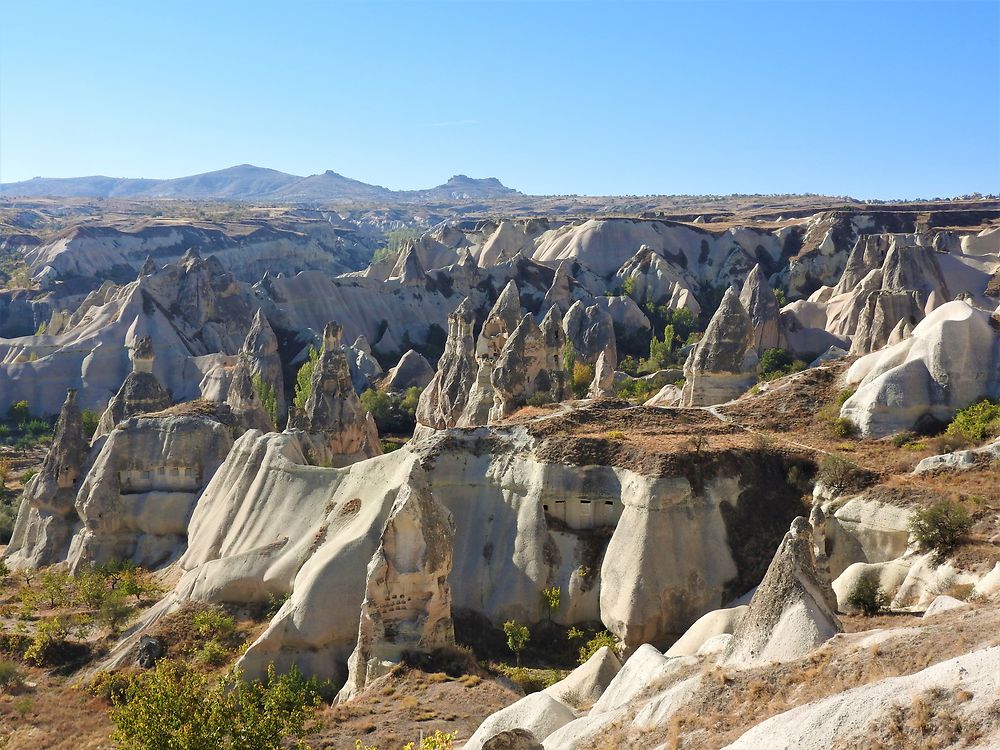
[397, 708]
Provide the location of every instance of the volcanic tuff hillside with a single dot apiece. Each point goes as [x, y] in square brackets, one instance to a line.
[708, 436]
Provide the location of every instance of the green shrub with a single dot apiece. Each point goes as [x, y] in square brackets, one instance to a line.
[591, 647]
[661, 350]
[638, 390]
[50, 635]
[774, 363]
[868, 597]
[303, 379]
[978, 422]
[843, 395]
[940, 527]
[115, 610]
[551, 597]
[213, 623]
[842, 427]
[172, 706]
[90, 421]
[213, 654]
[393, 414]
[583, 376]
[267, 396]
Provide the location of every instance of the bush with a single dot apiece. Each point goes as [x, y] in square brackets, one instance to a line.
[213, 654]
[10, 674]
[172, 706]
[595, 644]
[774, 363]
[941, 527]
[393, 414]
[868, 597]
[90, 421]
[978, 422]
[842, 427]
[115, 610]
[583, 376]
[637, 391]
[50, 635]
[213, 623]
[837, 473]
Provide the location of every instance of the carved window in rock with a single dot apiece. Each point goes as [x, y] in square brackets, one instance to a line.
[585, 513]
[160, 479]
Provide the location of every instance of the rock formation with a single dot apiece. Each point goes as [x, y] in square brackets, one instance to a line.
[443, 400]
[47, 514]
[141, 392]
[407, 605]
[591, 331]
[136, 499]
[257, 390]
[524, 369]
[761, 305]
[565, 290]
[724, 363]
[499, 325]
[885, 315]
[341, 430]
[603, 384]
[408, 269]
[365, 369]
[539, 714]
[951, 359]
[790, 613]
[651, 278]
[412, 371]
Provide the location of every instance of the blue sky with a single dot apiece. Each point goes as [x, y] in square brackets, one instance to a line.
[893, 99]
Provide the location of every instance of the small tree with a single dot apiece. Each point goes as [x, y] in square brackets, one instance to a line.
[19, 412]
[517, 637]
[550, 599]
[941, 527]
[115, 609]
[267, 396]
[583, 375]
[867, 597]
[591, 647]
[303, 379]
[57, 587]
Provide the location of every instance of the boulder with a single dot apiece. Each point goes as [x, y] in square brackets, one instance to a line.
[412, 371]
[365, 369]
[724, 362]
[583, 686]
[789, 615]
[669, 395]
[443, 400]
[407, 605]
[538, 713]
[341, 431]
[714, 623]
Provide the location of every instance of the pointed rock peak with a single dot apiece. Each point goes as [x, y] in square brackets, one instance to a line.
[260, 338]
[552, 320]
[148, 266]
[332, 336]
[361, 344]
[408, 268]
[508, 304]
[190, 255]
[142, 354]
[466, 310]
[467, 259]
[790, 613]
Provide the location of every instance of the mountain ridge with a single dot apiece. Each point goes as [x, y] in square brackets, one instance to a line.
[250, 182]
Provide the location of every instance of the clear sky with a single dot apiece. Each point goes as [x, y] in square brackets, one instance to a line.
[895, 99]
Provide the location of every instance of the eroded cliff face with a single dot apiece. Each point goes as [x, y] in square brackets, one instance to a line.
[644, 542]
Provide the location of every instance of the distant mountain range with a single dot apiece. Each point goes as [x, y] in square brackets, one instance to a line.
[247, 182]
